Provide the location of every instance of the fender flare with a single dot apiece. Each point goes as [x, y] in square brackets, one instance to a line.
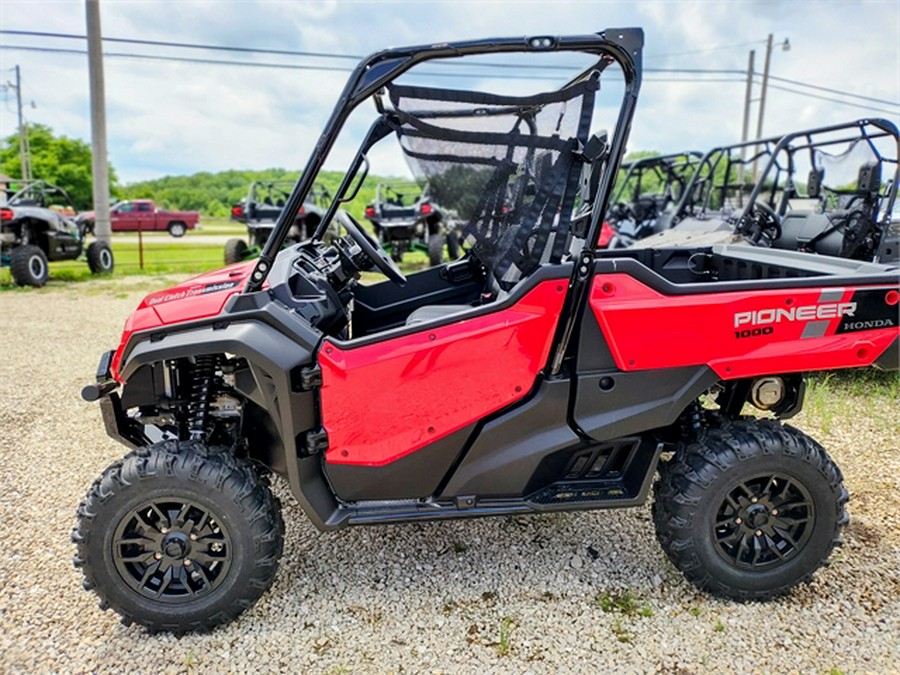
[272, 356]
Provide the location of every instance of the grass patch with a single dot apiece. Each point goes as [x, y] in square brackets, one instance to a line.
[624, 602]
[460, 547]
[622, 633]
[164, 255]
[219, 227]
[160, 257]
[859, 382]
[507, 628]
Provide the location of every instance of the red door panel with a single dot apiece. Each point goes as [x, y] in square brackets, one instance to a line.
[383, 401]
[744, 333]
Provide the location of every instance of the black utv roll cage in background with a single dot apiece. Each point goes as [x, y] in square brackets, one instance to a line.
[868, 130]
[620, 46]
[704, 192]
[811, 140]
[668, 169]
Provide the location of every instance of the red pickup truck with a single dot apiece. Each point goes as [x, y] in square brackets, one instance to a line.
[143, 215]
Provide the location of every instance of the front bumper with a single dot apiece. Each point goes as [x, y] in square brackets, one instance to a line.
[118, 425]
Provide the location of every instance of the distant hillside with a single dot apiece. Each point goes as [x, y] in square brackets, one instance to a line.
[213, 194]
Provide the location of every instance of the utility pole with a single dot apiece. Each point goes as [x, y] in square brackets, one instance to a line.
[748, 92]
[762, 104]
[24, 159]
[100, 166]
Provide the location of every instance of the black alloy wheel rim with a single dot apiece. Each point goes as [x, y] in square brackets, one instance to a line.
[172, 550]
[764, 522]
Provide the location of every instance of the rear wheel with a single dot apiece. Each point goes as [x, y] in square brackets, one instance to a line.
[235, 249]
[177, 229]
[179, 537]
[750, 510]
[28, 265]
[453, 245]
[100, 257]
[435, 249]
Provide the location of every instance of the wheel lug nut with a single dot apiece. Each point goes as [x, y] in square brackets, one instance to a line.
[193, 537]
[164, 530]
[774, 512]
[754, 500]
[738, 520]
[759, 533]
[157, 555]
[187, 563]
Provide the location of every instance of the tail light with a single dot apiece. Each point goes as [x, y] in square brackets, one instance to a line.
[6, 214]
[301, 211]
[606, 234]
[370, 210]
[237, 211]
[425, 209]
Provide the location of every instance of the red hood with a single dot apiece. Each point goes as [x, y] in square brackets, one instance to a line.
[196, 298]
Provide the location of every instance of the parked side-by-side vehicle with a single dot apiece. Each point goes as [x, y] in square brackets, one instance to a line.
[39, 225]
[406, 218]
[535, 374]
[827, 190]
[260, 210]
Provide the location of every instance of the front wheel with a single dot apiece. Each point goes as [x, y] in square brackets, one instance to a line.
[750, 510]
[435, 249]
[453, 244]
[179, 537]
[28, 264]
[235, 251]
[100, 257]
[177, 229]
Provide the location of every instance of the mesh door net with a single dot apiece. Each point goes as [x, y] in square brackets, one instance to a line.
[509, 167]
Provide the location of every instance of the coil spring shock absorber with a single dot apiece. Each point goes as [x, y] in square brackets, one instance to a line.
[693, 420]
[204, 371]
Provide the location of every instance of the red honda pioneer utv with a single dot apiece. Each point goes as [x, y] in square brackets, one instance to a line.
[533, 375]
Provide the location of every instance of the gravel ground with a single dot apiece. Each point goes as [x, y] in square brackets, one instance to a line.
[496, 595]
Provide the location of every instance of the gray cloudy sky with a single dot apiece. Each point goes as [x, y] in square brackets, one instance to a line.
[180, 118]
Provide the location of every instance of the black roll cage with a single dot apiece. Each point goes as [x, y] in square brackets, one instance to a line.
[40, 188]
[667, 163]
[711, 160]
[622, 46]
[883, 129]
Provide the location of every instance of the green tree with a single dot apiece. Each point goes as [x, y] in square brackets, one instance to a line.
[65, 162]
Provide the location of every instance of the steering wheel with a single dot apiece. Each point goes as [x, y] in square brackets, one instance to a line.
[760, 222]
[371, 248]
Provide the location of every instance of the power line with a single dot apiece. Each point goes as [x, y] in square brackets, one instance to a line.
[326, 68]
[356, 57]
[707, 49]
[834, 91]
[335, 55]
[832, 100]
[344, 69]
[184, 45]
